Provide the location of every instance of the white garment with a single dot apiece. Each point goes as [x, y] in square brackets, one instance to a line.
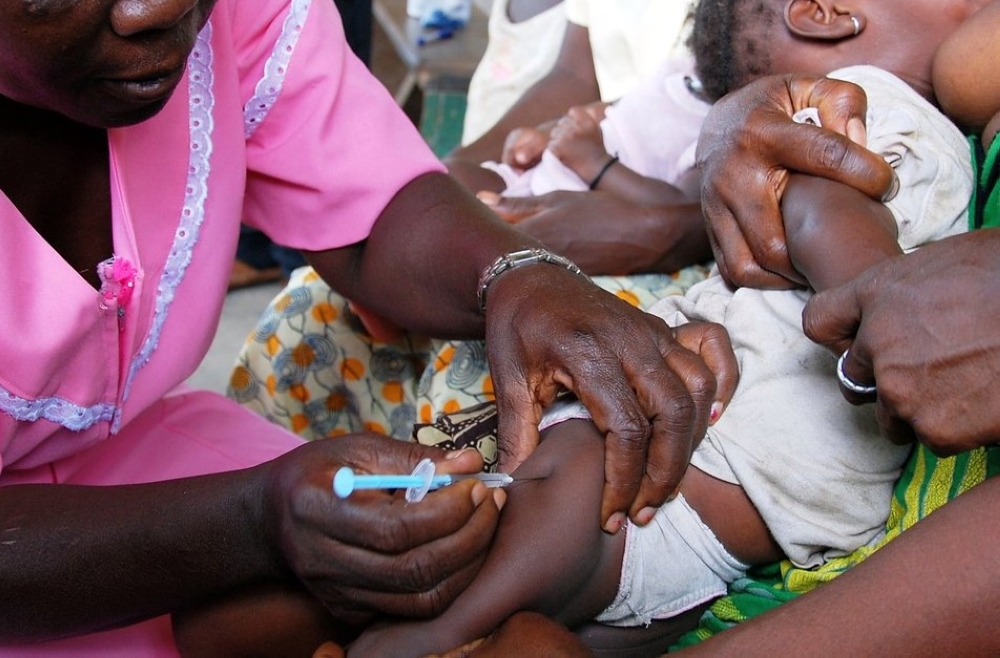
[517, 55]
[698, 568]
[629, 38]
[653, 129]
[816, 467]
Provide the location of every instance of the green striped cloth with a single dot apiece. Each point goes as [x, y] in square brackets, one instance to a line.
[927, 483]
[984, 207]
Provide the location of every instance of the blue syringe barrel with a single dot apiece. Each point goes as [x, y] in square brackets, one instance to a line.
[346, 481]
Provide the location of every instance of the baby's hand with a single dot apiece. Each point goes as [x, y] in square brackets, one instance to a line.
[523, 147]
[577, 140]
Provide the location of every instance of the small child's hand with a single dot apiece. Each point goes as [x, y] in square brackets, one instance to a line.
[577, 140]
[523, 147]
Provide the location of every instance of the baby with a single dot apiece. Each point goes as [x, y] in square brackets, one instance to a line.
[790, 469]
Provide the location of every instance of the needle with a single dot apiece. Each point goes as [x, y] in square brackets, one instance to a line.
[417, 484]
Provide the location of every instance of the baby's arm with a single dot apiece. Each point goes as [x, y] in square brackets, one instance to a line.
[578, 143]
[549, 555]
[965, 80]
[834, 232]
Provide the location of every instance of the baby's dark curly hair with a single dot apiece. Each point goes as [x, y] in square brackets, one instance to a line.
[730, 43]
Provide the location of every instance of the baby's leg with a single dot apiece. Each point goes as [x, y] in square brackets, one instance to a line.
[549, 555]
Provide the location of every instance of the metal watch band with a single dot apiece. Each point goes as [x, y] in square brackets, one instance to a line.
[517, 259]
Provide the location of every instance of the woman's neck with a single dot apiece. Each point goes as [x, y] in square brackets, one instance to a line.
[57, 177]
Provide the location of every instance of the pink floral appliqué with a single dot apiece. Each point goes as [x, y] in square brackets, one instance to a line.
[117, 282]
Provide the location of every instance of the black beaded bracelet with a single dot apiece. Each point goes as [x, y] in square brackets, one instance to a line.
[604, 170]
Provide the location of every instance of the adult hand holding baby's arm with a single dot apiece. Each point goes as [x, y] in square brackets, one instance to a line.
[649, 388]
[371, 552]
[922, 327]
[747, 146]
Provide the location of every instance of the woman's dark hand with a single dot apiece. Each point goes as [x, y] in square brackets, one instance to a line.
[650, 391]
[747, 146]
[372, 551]
[923, 328]
[605, 234]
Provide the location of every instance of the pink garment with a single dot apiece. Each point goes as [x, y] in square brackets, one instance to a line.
[653, 129]
[276, 124]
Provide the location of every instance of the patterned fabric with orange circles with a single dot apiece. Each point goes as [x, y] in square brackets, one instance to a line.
[310, 365]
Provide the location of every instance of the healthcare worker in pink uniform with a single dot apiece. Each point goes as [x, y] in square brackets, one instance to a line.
[136, 135]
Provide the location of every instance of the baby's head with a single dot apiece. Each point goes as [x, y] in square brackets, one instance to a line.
[736, 41]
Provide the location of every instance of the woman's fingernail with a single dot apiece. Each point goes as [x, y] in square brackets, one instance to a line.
[645, 515]
[615, 523]
[500, 498]
[456, 454]
[714, 412]
[857, 132]
[488, 198]
[479, 493]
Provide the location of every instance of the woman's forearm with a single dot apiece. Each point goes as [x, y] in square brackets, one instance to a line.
[77, 559]
[404, 261]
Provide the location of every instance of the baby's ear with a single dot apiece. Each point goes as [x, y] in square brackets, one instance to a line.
[820, 20]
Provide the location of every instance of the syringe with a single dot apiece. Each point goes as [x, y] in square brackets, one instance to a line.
[417, 483]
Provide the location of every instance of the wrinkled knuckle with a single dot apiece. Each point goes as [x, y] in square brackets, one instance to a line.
[715, 331]
[812, 322]
[633, 433]
[936, 431]
[712, 208]
[774, 248]
[934, 436]
[831, 153]
[854, 95]
[841, 95]
[416, 573]
[432, 603]
[390, 536]
[742, 270]
[701, 383]
[425, 602]
[660, 474]
[681, 413]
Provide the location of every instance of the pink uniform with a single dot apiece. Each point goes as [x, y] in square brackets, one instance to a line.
[276, 124]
